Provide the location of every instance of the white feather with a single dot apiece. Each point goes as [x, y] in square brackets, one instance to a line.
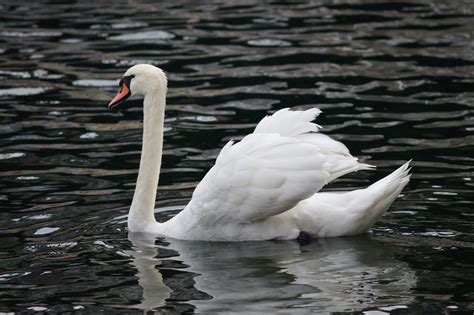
[261, 176]
[289, 123]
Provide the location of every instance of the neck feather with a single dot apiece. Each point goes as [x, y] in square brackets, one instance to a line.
[141, 216]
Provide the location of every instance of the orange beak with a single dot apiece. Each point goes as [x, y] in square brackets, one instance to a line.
[122, 95]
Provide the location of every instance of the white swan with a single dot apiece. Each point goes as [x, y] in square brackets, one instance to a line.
[263, 187]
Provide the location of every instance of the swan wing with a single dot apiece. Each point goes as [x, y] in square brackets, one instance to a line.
[260, 176]
[285, 161]
[300, 126]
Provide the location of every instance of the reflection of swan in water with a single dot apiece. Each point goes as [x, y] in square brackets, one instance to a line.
[155, 292]
[327, 275]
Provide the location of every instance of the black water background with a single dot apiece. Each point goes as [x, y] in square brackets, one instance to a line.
[394, 80]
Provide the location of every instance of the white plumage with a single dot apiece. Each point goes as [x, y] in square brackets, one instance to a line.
[262, 187]
[288, 123]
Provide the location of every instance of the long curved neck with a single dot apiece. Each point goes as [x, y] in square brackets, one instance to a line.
[141, 216]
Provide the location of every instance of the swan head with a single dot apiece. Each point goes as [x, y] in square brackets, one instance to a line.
[142, 79]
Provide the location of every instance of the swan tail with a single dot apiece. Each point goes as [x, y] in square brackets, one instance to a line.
[332, 214]
[380, 195]
[397, 178]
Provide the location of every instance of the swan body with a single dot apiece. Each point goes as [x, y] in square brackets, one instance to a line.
[262, 187]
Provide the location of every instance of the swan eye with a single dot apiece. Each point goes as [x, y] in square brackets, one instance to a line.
[124, 92]
[126, 80]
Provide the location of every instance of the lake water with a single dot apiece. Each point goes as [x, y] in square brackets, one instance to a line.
[394, 81]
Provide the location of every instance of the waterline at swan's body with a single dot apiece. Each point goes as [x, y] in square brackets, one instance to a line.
[263, 187]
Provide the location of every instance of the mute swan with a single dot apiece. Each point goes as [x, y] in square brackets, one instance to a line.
[263, 187]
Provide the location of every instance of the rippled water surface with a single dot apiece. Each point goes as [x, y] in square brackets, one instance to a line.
[394, 81]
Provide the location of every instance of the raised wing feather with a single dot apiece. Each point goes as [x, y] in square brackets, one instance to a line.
[300, 126]
[288, 123]
[261, 176]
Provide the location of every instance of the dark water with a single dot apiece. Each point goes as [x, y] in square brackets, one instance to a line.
[394, 79]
